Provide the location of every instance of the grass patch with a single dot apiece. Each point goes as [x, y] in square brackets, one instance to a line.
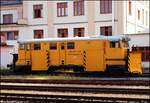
[40, 77]
[6, 71]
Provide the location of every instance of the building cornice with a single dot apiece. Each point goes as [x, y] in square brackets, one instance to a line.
[10, 2]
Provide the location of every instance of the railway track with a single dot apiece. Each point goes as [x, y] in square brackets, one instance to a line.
[75, 91]
[108, 81]
[71, 98]
[77, 88]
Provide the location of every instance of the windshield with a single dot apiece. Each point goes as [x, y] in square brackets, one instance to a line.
[125, 44]
[114, 44]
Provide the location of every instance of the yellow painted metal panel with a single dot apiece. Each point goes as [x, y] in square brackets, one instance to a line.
[115, 62]
[115, 53]
[22, 60]
[54, 57]
[95, 60]
[74, 57]
[21, 54]
[39, 60]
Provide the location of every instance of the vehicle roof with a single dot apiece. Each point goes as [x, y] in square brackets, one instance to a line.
[109, 38]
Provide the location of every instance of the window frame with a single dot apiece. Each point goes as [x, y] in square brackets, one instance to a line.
[62, 30]
[7, 18]
[5, 35]
[38, 32]
[78, 8]
[76, 32]
[105, 6]
[62, 9]
[106, 30]
[37, 9]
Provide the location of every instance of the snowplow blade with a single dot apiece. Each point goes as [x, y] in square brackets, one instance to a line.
[134, 62]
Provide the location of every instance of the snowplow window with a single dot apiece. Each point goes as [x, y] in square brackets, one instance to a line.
[22, 47]
[53, 46]
[114, 45]
[62, 46]
[37, 46]
[70, 45]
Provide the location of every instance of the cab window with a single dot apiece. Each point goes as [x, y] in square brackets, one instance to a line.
[21, 47]
[114, 45]
[62, 46]
[125, 44]
[53, 46]
[37, 46]
[70, 45]
[27, 47]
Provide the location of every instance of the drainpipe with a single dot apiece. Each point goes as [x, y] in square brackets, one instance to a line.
[126, 16]
[113, 17]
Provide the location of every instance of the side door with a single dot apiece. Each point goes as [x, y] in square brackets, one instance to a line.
[39, 57]
[62, 52]
[22, 55]
[54, 53]
[28, 54]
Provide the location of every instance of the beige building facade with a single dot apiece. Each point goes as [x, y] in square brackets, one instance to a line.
[63, 18]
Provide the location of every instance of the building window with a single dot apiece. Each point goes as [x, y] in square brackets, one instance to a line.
[106, 30]
[105, 6]
[8, 35]
[138, 14]
[38, 34]
[78, 7]
[12, 35]
[62, 9]
[145, 52]
[143, 16]
[130, 7]
[7, 18]
[62, 32]
[37, 11]
[79, 32]
[3, 39]
[146, 19]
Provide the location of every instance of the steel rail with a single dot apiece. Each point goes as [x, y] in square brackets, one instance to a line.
[85, 82]
[65, 99]
[78, 89]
